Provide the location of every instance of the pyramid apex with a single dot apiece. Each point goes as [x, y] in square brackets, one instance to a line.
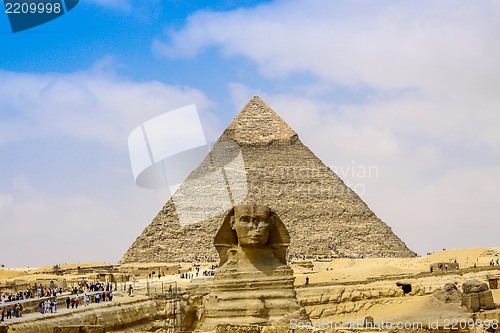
[258, 123]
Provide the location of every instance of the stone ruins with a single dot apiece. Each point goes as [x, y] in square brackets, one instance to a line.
[477, 296]
[262, 159]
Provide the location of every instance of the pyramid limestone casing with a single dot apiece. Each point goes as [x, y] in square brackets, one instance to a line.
[322, 214]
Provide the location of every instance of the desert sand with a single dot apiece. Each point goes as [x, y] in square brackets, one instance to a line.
[333, 284]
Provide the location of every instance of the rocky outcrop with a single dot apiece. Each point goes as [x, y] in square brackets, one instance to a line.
[227, 328]
[80, 329]
[477, 296]
[330, 300]
[322, 214]
[448, 294]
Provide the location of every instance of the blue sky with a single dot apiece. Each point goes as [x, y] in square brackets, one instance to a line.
[408, 87]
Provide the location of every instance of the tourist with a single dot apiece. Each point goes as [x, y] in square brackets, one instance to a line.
[18, 310]
[72, 303]
[42, 307]
[130, 289]
[77, 300]
[307, 280]
[97, 298]
[110, 296]
[2, 310]
[9, 312]
[498, 261]
[68, 301]
[87, 300]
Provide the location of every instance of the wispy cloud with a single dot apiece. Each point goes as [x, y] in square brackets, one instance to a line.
[427, 184]
[388, 45]
[89, 105]
[89, 115]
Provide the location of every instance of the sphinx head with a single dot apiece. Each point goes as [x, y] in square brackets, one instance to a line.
[252, 225]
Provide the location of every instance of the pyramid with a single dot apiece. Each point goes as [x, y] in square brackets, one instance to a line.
[260, 158]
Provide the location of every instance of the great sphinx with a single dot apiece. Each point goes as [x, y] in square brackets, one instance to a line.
[254, 284]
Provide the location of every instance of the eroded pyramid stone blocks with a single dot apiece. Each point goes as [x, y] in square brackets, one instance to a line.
[260, 158]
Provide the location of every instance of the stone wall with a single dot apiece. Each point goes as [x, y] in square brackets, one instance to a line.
[329, 299]
[111, 316]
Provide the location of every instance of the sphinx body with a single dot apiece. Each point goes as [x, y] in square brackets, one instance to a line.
[253, 284]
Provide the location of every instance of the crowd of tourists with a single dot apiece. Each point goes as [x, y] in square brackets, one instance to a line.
[35, 291]
[6, 312]
[95, 292]
[190, 274]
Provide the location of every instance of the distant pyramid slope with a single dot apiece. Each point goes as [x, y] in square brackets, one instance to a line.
[322, 214]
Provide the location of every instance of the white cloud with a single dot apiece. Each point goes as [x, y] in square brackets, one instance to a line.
[56, 228]
[429, 120]
[90, 105]
[388, 45]
[425, 187]
[5, 201]
[433, 66]
[76, 210]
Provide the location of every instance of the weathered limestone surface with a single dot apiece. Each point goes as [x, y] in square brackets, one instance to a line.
[80, 329]
[111, 316]
[448, 294]
[322, 214]
[253, 285]
[477, 295]
[330, 299]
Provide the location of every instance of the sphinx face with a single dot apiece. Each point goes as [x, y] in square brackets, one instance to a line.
[252, 226]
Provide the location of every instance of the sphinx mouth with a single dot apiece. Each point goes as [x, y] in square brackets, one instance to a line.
[255, 236]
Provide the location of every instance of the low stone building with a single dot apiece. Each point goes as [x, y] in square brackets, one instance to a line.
[444, 266]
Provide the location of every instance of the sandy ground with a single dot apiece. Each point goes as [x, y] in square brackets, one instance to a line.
[343, 270]
[405, 309]
[6, 274]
